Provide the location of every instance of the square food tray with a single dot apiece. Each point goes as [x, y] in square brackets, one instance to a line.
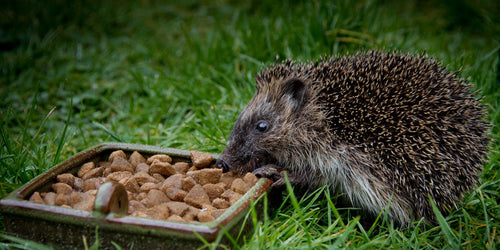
[66, 227]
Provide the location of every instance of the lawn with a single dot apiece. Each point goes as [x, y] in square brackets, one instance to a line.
[74, 74]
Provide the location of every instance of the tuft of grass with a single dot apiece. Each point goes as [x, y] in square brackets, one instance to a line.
[75, 74]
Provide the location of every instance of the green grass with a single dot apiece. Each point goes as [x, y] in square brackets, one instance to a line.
[77, 73]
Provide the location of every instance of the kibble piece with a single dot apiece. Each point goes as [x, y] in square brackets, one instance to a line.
[250, 179]
[87, 202]
[172, 181]
[134, 206]
[191, 213]
[85, 168]
[188, 183]
[104, 164]
[66, 178]
[231, 196]
[213, 190]
[175, 218]
[62, 188]
[163, 168]
[221, 185]
[159, 157]
[207, 207]
[240, 186]
[91, 192]
[205, 216]
[158, 177]
[227, 178]
[218, 212]
[156, 197]
[117, 154]
[209, 175]
[50, 198]
[130, 184]
[120, 164]
[36, 197]
[143, 177]
[131, 196]
[159, 212]
[108, 170]
[176, 194]
[91, 184]
[62, 199]
[197, 196]
[220, 203]
[141, 214]
[142, 167]
[146, 187]
[93, 173]
[201, 159]
[75, 197]
[178, 208]
[118, 176]
[78, 186]
[141, 196]
[181, 167]
[136, 158]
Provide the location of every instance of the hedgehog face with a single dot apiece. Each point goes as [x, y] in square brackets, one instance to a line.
[275, 118]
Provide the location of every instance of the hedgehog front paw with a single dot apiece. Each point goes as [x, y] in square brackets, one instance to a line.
[268, 171]
[272, 172]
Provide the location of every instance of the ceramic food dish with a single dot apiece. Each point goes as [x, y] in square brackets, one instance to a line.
[62, 226]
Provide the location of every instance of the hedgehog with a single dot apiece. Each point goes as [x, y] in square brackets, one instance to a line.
[387, 130]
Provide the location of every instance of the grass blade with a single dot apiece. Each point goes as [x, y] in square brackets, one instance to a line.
[450, 236]
[109, 132]
[63, 135]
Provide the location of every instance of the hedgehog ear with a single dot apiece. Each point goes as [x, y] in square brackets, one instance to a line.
[296, 89]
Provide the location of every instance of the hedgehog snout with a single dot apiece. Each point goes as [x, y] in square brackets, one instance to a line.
[221, 163]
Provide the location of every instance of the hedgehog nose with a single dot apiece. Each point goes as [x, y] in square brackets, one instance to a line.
[222, 164]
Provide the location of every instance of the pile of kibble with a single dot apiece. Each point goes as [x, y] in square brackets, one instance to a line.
[156, 187]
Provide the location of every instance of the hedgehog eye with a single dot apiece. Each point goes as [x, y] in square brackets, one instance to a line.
[262, 126]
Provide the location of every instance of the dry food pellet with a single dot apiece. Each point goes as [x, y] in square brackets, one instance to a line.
[178, 208]
[92, 173]
[197, 196]
[163, 168]
[118, 176]
[187, 183]
[205, 216]
[220, 203]
[176, 218]
[85, 168]
[66, 178]
[143, 177]
[117, 154]
[120, 164]
[62, 188]
[36, 197]
[201, 159]
[172, 181]
[142, 167]
[159, 157]
[136, 158]
[181, 167]
[146, 187]
[239, 186]
[176, 194]
[213, 190]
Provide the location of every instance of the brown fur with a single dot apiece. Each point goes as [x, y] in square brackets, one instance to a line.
[380, 127]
